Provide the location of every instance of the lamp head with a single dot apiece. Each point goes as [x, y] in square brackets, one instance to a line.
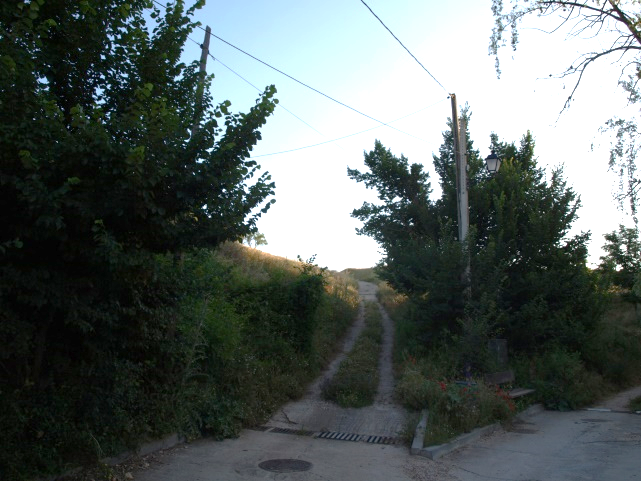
[492, 163]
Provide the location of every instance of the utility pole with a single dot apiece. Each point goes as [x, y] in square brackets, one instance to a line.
[459, 132]
[202, 72]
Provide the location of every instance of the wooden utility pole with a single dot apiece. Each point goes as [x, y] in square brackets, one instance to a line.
[460, 156]
[459, 132]
[202, 72]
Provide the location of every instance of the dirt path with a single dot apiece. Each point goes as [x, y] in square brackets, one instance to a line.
[384, 418]
[550, 445]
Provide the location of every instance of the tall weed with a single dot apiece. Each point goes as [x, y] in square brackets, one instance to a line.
[239, 332]
[453, 408]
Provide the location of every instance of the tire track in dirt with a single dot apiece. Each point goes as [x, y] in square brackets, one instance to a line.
[383, 418]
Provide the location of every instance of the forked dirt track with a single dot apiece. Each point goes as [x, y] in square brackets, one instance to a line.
[384, 418]
[601, 444]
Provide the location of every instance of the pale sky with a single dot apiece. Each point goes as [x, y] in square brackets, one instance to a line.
[339, 48]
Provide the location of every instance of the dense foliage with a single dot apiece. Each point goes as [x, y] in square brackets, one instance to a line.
[107, 187]
[529, 283]
[250, 331]
[99, 171]
[622, 260]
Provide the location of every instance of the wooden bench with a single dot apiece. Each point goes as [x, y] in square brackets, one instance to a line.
[505, 377]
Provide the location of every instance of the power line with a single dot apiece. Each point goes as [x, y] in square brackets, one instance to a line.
[302, 83]
[408, 50]
[215, 59]
[279, 103]
[308, 86]
[352, 135]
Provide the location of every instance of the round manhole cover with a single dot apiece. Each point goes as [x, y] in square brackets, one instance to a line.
[285, 465]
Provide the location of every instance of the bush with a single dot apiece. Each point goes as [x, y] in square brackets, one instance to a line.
[614, 347]
[562, 381]
[453, 408]
[223, 354]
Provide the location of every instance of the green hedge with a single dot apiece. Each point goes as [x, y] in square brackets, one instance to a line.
[233, 335]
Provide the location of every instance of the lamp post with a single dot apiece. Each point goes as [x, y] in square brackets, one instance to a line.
[492, 163]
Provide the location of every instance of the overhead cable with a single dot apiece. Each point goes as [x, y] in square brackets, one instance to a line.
[408, 50]
[308, 86]
[302, 83]
[352, 135]
[216, 59]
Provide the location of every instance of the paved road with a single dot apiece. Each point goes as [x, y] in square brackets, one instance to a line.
[568, 446]
[548, 446]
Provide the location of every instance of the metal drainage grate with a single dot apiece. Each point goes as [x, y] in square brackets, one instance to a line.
[381, 440]
[298, 432]
[285, 465]
[339, 436]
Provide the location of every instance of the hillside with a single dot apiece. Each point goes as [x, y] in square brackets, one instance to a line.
[246, 333]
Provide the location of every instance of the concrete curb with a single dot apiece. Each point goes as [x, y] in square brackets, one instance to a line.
[435, 452]
[146, 448]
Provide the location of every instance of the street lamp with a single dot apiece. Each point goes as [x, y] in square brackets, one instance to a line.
[492, 163]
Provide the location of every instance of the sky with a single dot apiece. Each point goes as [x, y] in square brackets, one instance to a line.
[339, 48]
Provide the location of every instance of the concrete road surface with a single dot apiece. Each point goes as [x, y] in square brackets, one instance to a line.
[240, 459]
[547, 446]
[556, 446]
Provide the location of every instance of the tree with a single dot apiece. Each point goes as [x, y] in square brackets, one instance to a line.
[619, 24]
[623, 257]
[529, 278]
[104, 185]
[99, 169]
[255, 238]
[423, 258]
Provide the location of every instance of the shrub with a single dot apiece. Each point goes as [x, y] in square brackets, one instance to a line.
[222, 354]
[453, 408]
[614, 347]
[562, 381]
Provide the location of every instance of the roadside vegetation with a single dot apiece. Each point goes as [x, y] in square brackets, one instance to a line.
[563, 379]
[356, 381]
[249, 332]
[128, 309]
[572, 333]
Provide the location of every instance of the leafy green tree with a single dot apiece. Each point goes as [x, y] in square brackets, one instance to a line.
[539, 281]
[98, 165]
[622, 261]
[104, 185]
[529, 278]
[618, 23]
[404, 189]
[406, 226]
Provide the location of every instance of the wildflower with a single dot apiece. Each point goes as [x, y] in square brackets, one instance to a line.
[443, 386]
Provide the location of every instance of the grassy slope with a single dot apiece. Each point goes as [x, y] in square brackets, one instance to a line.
[248, 332]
